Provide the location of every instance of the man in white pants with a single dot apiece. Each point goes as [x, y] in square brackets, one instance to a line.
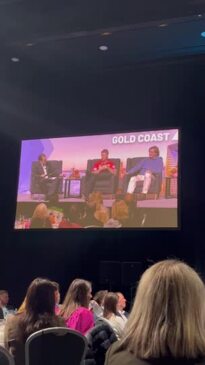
[145, 171]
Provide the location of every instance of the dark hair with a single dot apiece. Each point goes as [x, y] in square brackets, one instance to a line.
[110, 304]
[76, 296]
[40, 307]
[105, 150]
[155, 148]
[40, 156]
[100, 296]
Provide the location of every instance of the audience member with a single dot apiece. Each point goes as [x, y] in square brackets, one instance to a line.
[110, 314]
[40, 218]
[89, 219]
[166, 324]
[75, 306]
[121, 305]
[4, 300]
[1, 312]
[38, 314]
[97, 304]
[57, 295]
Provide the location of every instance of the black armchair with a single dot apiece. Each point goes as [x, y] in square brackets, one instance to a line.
[156, 183]
[108, 183]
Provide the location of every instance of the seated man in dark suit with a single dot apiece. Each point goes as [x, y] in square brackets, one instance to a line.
[48, 178]
[100, 169]
[145, 171]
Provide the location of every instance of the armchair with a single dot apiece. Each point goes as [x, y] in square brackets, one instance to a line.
[156, 183]
[55, 169]
[108, 183]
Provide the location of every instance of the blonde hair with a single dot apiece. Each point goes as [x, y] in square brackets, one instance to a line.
[41, 211]
[102, 214]
[22, 307]
[96, 198]
[168, 315]
[76, 296]
[120, 210]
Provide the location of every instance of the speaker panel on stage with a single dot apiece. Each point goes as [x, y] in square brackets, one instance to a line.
[131, 272]
[110, 274]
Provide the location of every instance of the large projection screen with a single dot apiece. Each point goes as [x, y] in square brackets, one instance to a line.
[118, 181]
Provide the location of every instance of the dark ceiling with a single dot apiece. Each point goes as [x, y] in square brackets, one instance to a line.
[51, 65]
[27, 19]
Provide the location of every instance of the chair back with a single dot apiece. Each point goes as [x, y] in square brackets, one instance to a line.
[53, 346]
[131, 162]
[5, 357]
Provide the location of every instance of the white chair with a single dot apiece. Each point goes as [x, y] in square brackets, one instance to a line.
[5, 357]
[57, 345]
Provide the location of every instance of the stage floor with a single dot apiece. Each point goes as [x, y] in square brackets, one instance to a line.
[148, 203]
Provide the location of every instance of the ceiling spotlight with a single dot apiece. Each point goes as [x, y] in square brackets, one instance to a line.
[203, 34]
[163, 25]
[104, 34]
[15, 59]
[103, 48]
[199, 15]
[29, 44]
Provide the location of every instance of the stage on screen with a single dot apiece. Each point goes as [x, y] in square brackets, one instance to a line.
[124, 180]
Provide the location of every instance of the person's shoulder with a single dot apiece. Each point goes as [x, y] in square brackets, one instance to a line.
[118, 355]
[60, 321]
[13, 319]
[82, 311]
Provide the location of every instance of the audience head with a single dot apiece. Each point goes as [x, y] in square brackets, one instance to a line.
[57, 292]
[121, 302]
[74, 213]
[153, 152]
[40, 212]
[100, 296]
[168, 315]
[110, 304]
[40, 297]
[4, 297]
[102, 214]
[120, 210]
[78, 295]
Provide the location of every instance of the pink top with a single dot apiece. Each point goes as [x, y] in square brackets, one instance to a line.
[81, 320]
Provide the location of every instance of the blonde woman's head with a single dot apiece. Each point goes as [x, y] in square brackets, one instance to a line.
[41, 211]
[168, 315]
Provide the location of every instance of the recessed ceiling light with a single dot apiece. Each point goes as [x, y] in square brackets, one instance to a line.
[15, 59]
[199, 15]
[106, 34]
[163, 25]
[29, 44]
[103, 48]
[203, 34]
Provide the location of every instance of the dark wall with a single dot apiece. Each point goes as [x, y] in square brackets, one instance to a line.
[160, 95]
